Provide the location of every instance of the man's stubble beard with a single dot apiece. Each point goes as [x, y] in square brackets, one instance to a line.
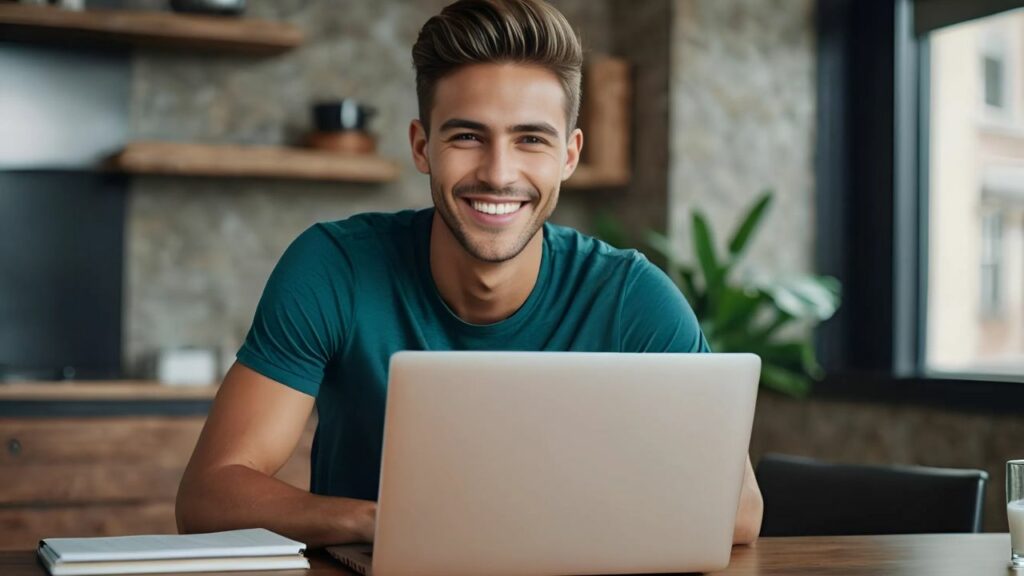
[458, 230]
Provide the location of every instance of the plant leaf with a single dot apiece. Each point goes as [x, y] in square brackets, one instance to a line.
[688, 285]
[661, 244]
[785, 381]
[737, 309]
[805, 296]
[609, 229]
[742, 235]
[709, 264]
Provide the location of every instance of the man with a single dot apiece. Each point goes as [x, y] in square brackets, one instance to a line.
[498, 83]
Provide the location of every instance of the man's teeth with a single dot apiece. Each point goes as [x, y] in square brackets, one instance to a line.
[489, 208]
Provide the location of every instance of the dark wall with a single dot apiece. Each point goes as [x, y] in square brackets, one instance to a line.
[61, 220]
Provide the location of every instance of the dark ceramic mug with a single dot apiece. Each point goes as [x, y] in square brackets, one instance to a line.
[341, 115]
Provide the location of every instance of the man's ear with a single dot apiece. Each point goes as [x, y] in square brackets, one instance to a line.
[572, 157]
[418, 144]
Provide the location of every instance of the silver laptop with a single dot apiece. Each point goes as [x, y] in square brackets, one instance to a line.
[538, 463]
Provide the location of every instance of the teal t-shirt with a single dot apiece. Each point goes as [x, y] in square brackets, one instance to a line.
[346, 295]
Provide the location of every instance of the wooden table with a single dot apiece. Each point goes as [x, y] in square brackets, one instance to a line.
[932, 555]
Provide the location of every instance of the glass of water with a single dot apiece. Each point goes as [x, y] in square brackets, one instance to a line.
[1015, 510]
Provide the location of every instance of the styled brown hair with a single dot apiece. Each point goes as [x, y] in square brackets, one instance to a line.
[496, 31]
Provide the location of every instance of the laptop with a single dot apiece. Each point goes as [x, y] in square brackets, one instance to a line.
[547, 463]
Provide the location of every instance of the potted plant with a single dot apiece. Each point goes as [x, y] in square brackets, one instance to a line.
[769, 316]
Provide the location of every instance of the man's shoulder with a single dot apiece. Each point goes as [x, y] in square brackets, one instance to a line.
[593, 254]
[371, 225]
[368, 233]
[365, 242]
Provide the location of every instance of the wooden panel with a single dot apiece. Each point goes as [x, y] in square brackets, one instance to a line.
[22, 528]
[111, 459]
[103, 476]
[175, 158]
[588, 176]
[87, 483]
[152, 441]
[103, 390]
[146, 29]
[605, 119]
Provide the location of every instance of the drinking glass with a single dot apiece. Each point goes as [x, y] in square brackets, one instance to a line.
[1015, 510]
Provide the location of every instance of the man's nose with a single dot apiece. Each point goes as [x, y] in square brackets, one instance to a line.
[499, 168]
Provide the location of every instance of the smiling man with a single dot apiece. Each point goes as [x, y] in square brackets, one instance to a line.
[498, 83]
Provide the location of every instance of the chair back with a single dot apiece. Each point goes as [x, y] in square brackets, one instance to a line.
[806, 497]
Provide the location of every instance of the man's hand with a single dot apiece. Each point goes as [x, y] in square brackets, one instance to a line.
[750, 511]
[253, 427]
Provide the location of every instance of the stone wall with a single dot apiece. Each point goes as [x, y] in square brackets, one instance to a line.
[743, 120]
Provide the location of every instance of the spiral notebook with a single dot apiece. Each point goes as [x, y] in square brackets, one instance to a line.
[251, 549]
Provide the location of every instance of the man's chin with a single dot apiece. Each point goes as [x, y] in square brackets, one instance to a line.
[491, 253]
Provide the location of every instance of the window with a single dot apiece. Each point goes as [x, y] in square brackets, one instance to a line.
[974, 193]
[993, 67]
[991, 264]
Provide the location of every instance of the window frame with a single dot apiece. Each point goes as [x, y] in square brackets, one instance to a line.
[872, 225]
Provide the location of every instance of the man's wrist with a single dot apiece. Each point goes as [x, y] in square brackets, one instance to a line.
[354, 519]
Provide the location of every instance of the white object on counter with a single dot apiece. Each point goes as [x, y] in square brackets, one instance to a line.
[1015, 518]
[187, 366]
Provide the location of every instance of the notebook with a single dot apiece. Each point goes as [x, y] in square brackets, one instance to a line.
[251, 549]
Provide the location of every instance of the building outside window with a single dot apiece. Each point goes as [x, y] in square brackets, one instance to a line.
[974, 321]
[991, 265]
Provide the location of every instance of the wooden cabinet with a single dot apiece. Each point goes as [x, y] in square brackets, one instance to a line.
[101, 476]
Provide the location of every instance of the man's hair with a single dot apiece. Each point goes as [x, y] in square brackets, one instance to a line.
[497, 31]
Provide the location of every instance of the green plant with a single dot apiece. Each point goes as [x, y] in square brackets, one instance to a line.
[746, 314]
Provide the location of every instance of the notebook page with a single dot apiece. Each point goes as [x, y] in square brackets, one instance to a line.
[233, 543]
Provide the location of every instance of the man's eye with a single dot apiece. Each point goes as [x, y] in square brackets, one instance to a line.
[533, 140]
[466, 137]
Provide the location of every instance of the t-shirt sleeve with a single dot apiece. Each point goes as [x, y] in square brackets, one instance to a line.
[655, 316]
[300, 321]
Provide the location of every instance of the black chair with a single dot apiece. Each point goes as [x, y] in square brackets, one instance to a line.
[806, 497]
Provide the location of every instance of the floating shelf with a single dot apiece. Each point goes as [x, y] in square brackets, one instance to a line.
[187, 159]
[149, 29]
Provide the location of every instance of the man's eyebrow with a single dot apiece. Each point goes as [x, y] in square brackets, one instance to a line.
[542, 127]
[461, 123]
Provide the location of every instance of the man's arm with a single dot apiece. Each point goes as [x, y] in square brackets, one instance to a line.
[750, 511]
[253, 427]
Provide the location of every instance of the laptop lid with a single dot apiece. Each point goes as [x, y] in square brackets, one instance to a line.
[562, 463]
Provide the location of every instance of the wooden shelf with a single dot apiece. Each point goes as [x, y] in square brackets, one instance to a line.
[182, 159]
[166, 30]
[85, 390]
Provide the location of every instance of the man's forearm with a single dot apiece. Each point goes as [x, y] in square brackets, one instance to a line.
[235, 497]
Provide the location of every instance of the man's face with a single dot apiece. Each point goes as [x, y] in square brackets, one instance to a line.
[497, 154]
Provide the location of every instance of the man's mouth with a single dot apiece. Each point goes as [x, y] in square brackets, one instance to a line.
[495, 208]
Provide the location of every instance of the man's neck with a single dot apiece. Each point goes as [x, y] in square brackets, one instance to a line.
[481, 292]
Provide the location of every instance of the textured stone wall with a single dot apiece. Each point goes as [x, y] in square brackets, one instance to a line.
[743, 119]
[199, 250]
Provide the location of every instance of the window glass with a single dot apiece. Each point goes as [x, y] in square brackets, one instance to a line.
[974, 322]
